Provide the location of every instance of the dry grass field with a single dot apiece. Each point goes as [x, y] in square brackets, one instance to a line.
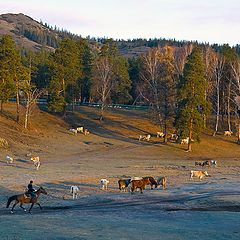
[112, 151]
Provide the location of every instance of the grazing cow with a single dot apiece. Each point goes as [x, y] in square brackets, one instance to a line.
[104, 184]
[80, 129]
[185, 140]
[199, 174]
[139, 184]
[162, 181]
[160, 134]
[74, 190]
[9, 159]
[152, 181]
[202, 164]
[144, 137]
[174, 136]
[73, 130]
[86, 132]
[36, 162]
[228, 133]
[213, 162]
[123, 184]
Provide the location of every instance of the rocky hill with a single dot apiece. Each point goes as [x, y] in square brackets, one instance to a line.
[27, 33]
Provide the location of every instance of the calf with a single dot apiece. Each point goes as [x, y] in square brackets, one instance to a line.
[139, 184]
[80, 129]
[86, 132]
[160, 134]
[9, 159]
[152, 181]
[104, 184]
[228, 133]
[73, 130]
[199, 174]
[74, 190]
[213, 162]
[36, 162]
[123, 184]
[162, 181]
[185, 140]
[144, 137]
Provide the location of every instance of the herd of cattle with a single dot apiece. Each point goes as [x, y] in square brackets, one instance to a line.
[134, 183]
[174, 137]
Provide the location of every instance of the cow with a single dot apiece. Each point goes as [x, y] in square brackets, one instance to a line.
[199, 174]
[36, 162]
[104, 184]
[74, 190]
[139, 184]
[73, 130]
[162, 181]
[160, 134]
[80, 129]
[152, 183]
[9, 159]
[123, 184]
[228, 133]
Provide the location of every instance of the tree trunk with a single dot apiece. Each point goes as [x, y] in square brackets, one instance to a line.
[26, 116]
[228, 107]
[218, 110]
[1, 106]
[190, 136]
[18, 106]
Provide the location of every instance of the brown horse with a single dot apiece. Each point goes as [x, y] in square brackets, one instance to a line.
[22, 198]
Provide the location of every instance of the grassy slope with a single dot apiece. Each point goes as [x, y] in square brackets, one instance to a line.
[121, 125]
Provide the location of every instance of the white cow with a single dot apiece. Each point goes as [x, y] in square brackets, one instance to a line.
[104, 184]
[144, 137]
[73, 130]
[185, 140]
[36, 162]
[228, 133]
[160, 134]
[199, 174]
[9, 159]
[74, 190]
[80, 129]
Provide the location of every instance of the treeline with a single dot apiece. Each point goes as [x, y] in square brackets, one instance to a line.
[183, 85]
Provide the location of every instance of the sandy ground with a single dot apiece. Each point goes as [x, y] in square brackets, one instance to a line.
[209, 209]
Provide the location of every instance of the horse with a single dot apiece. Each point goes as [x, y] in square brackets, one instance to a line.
[22, 198]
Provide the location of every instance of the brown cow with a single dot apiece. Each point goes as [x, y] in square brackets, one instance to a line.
[152, 182]
[123, 184]
[139, 184]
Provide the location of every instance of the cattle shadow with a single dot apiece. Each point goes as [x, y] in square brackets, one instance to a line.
[100, 130]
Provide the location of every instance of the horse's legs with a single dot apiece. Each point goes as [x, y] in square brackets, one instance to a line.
[14, 206]
[39, 205]
[21, 206]
[30, 208]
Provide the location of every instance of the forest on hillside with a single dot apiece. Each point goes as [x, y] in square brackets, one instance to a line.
[183, 83]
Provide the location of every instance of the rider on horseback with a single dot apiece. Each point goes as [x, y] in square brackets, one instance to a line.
[31, 191]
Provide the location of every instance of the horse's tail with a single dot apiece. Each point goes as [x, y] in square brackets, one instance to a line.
[10, 200]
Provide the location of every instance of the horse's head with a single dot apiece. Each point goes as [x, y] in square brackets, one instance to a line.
[42, 190]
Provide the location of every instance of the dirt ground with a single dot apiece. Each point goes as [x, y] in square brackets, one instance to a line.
[185, 210]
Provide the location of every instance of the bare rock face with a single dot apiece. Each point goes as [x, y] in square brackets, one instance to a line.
[4, 143]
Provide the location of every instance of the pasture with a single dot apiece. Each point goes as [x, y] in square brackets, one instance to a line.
[186, 209]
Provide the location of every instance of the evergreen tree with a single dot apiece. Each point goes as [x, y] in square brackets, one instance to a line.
[192, 104]
[10, 70]
[66, 69]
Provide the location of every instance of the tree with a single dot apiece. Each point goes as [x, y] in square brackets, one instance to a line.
[192, 104]
[10, 66]
[158, 74]
[110, 76]
[66, 69]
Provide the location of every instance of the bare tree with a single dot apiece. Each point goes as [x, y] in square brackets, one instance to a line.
[218, 70]
[180, 55]
[103, 76]
[236, 93]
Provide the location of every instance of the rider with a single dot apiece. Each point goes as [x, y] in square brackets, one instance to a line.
[31, 190]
